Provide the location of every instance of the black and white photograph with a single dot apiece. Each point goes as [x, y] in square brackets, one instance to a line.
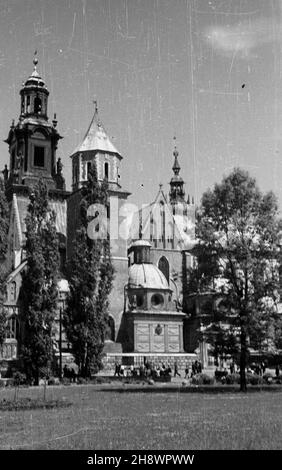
[140, 230]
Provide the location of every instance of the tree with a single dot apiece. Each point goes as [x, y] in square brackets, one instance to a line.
[39, 291]
[90, 282]
[238, 243]
[4, 227]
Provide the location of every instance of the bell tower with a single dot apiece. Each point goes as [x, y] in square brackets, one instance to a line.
[33, 140]
[32, 145]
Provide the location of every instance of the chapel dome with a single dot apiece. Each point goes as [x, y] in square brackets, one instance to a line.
[146, 275]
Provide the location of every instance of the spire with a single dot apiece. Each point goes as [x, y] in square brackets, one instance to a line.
[176, 167]
[96, 137]
[176, 183]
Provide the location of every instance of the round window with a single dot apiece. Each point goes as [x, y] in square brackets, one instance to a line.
[157, 300]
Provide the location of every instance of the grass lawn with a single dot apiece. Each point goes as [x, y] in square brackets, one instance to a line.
[104, 418]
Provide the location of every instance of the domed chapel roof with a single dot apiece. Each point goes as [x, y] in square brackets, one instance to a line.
[148, 276]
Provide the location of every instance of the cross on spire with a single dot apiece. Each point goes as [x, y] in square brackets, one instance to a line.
[95, 105]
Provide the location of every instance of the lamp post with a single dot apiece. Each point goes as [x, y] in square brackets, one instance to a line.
[60, 345]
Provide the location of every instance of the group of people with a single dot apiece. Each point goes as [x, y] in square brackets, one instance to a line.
[196, 368]
[257, 368]
[149, 369]
[254, 368]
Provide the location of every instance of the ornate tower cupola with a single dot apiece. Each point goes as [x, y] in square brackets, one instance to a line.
[33, 140]
[34, 95]
[177, 192]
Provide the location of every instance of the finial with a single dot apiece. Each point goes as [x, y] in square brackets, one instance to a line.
[175, 152]
[161, 185]
[35, 60]
[13, 123]
[55, 122]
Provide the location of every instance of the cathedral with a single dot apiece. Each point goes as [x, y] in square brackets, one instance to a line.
[146, 318]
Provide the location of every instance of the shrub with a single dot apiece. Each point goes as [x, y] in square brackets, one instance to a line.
[53, 381]
[82, 381]
[267, 376]
[102, 380]
[2, 383]
[9, 382]
[18, 379]
[32, 404]
[219, 374]
[202, 379]
[65, 381]
[232, 379]
[254, 379]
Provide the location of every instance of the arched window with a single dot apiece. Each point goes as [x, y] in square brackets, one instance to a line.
[163, 266]
[28, 104]
[37, 105]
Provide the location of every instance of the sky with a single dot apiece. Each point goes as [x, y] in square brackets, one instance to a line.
[206, 72]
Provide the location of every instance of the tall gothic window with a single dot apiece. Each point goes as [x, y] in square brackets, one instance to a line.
[163, 266]
[106, 170]
[88, 168]
[13, 291]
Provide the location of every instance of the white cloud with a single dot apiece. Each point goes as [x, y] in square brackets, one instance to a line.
[244, 38]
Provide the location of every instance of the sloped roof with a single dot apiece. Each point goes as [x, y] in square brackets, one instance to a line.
[17, 270]
[20, 206]
[96, 138]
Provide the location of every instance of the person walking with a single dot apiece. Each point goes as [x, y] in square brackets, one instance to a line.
[117, 369]
[176, 370]
[187, 371]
